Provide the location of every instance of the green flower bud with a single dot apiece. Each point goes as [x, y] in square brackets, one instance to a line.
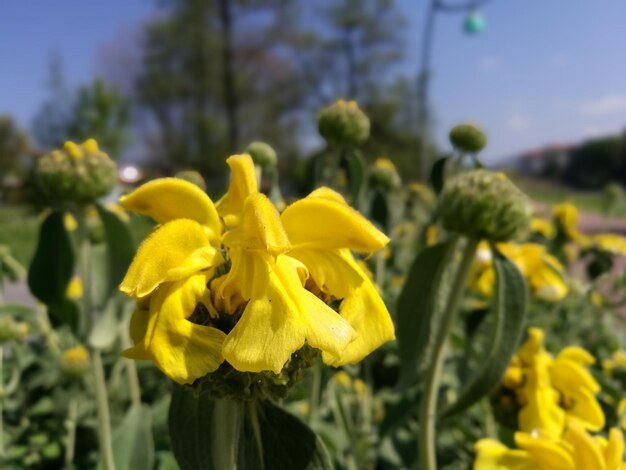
[343, 124]
[75, 362]
[76, 173]
[192, 177]
[485, 205]
[12, 330]
[383, 174]
[468, 138]
[226, 382]
[262, 154]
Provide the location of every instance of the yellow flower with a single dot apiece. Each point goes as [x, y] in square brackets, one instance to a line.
[566, 216]
[281, 315]
[168, 277]
[542, 271]
[616, 361]
[614, 244]
[576, 449]
[554, 388]
[243, 182]
[323, 229]
[74, 289]
[542, 226]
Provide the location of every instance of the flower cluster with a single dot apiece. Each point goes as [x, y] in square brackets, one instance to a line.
[238, 282]
[558, 411]
[543, 272]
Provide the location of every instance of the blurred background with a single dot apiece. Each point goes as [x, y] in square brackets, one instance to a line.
[166, 85]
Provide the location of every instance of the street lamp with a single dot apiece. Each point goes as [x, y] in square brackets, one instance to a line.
[474, 24]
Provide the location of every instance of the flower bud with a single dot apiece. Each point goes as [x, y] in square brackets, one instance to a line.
[383, 174]
[468, 138]
[12, 330]
[192, 177]
[76, 173]
[262, 154]
[75, 362]
[484, 205]
[343, 124]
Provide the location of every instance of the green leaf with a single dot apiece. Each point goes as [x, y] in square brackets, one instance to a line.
[437, 174]
[120, 247]
[133, 446]
[509, 308]
[380, 211]
[286, 441]
[52, 268]
[18, 312]
[104, 331]
[356, 168]
[419, 306]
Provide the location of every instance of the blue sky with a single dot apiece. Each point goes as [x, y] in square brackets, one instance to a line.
[543, 71]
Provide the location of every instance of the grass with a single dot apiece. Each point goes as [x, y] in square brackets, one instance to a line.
[550, 192]
[19, 229]
[19, 226]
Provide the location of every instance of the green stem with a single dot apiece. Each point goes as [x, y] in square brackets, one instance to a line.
[256, 429]
[314, 397]
[428, 404]
[104, 420]
[131, 368]
[84, 268]
[2, 391]
[102, 399]
[225, 439]
[72, 421]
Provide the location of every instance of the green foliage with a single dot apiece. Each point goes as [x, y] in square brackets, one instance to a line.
[52, 268]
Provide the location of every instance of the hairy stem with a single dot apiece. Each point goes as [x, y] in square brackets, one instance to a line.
[428, 405]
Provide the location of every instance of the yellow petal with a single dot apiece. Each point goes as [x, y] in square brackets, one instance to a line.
[614, 451]
[546, 454]
[260, 228]
[337, 274]
[587, 453]
[166, 199]
[243, 182]
[138, 328]
[492, 455]
[183, 350]
[171, 252]
[576, 354]
[324, 223]
[280, 316]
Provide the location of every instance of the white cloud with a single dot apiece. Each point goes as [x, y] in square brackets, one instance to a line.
[488, 63]
[605, 105]
[517, 123]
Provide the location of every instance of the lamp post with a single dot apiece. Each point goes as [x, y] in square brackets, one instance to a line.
[474, 24]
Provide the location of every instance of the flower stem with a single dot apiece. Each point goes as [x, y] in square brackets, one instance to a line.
[2, 390]
[102, 400]
[72, 421]
[225, 439]
[428, 404]
[131, 368]
[104, 421]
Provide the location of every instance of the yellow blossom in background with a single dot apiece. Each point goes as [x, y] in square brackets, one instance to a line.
[558, 412]
[614, 244]
[74, 289]
[542, 271]
[69, 221]
[576, 449]
[566, 216]
[616, 361]
[432, 235]
[550, 389]
[543, 227]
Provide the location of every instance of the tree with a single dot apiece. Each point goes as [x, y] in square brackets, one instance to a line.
[95, 111]
[13, 145]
